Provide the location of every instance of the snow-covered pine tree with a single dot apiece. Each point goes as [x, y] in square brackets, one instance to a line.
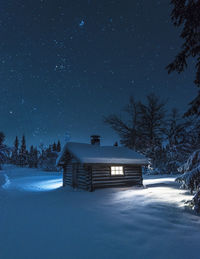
[58, 146]
[15, 152]
[35, 152]
[152, 126]
[23, 154]
[31, 157]
[185, 15]
[194, 107]
[191, 169]
[2, 138]
[54, 147]
[191, 178]
[176, 132]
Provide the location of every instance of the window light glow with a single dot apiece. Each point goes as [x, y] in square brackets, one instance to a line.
[117, 170]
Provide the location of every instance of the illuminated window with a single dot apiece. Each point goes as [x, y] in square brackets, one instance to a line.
[117, 170]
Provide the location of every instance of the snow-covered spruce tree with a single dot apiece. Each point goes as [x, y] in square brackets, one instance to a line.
[35, 151]
[194, 107]
[151, 126]
[185, 15]
[2, 138]
[33, 157]
[191, 169]
[191, 178]
[15, 152]
[54, 147]
[23, 153]
[58, 146]
[180, 141]
[173, 132]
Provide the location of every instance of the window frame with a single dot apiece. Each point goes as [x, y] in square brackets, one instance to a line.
[117, 175]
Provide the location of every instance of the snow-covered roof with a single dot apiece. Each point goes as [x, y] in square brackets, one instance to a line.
[94, 154]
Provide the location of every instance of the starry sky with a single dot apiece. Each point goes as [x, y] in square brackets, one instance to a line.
[65, 64]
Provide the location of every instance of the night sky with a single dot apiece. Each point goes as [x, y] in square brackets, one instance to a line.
[64, 64]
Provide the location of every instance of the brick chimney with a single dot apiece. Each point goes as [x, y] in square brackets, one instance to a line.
[95, 140]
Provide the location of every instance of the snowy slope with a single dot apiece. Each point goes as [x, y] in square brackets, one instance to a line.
[40, 220]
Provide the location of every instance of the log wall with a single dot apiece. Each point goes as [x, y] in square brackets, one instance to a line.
[77, 175]
[91, 177]
[101, 176]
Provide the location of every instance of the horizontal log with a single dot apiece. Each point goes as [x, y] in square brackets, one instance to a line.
[115, 181]
[68, 183]
[68, 180]
[114, 178]
[115, 185]
[109, 175]
[81, 182]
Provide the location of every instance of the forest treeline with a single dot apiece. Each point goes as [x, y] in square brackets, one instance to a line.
[42, 157]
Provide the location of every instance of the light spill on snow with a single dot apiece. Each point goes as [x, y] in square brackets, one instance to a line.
[31, 185]
[139, 223]
[46, 185]
[33, 181]
[161, 190]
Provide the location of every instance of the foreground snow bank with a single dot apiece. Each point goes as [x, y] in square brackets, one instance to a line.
[108, 223]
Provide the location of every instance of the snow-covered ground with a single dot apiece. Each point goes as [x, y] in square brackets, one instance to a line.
[39, 219]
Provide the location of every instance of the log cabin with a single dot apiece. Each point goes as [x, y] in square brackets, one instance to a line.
[92, 166]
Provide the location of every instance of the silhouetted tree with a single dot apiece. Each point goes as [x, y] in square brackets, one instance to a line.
[127, 129]
[15, 152]
[178, 143]
[185, 14]
[58, 147]
[54, 147]
[194, 107]
[31, 157]
[35, 152]
[23, 154]
[152, 122]
[2, 138]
